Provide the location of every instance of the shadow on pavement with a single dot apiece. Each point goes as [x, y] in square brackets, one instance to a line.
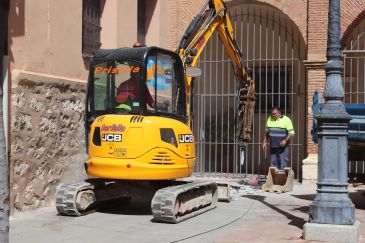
[308, 197]
[302, 209]
[294, 220]
[125, 207]
[357, 197]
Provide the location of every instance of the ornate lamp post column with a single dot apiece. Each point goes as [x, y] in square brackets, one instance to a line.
[332, 214]
[332, 204]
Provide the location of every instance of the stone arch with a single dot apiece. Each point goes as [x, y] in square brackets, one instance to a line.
[296, 10]
[274, 48]
[350, 21]
[353, 42]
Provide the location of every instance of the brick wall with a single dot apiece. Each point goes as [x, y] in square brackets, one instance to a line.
[316, 81]
[352, 12]
[317, 30]
[316, 58]
[296, 10]
[182, 13]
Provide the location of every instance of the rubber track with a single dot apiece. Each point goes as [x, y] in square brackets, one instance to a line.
[163, 203]
[66, 198]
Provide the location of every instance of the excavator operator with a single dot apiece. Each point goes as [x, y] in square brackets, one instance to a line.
[128, 93]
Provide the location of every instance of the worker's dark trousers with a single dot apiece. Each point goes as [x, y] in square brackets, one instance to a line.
[279, 157]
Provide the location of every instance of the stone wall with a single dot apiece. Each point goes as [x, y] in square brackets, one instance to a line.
[47, 137]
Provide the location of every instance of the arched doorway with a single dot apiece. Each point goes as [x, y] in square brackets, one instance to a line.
[274, 49]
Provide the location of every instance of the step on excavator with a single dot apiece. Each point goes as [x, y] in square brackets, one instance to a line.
[138, 124]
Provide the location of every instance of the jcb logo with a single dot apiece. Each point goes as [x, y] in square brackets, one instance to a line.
[112, 138]
[185, 138]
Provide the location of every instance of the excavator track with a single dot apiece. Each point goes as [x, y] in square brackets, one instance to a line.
[67, 198]
[171, 204]
[177, 203]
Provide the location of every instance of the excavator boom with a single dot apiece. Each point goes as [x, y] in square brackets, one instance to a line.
[197, 35]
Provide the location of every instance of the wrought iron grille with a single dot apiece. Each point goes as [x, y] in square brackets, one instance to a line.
[274, 50]
[354, 87]
[90, 27]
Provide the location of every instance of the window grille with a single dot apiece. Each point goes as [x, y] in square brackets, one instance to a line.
[90, 27]
[273, 89]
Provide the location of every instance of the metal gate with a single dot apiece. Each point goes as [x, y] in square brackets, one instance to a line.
[354, 83]
[274, 50]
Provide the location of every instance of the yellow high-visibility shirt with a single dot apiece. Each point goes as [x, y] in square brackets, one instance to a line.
[278, 130]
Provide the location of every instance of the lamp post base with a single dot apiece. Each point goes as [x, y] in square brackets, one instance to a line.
[332, 232]
[332, 212]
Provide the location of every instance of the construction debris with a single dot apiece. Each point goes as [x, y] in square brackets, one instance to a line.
[279, 180]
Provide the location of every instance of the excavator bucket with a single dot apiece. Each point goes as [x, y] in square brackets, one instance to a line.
[279, 180]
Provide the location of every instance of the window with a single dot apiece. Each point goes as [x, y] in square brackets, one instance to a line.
[163, 85]
[116, 85]
[90, 27]
[272, 88]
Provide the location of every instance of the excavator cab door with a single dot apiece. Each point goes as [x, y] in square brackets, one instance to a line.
[165, 84]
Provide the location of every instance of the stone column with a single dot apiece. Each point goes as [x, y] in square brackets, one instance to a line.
[332, 205]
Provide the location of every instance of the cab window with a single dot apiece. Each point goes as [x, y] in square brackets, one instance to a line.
[116, 85]
[163, 83]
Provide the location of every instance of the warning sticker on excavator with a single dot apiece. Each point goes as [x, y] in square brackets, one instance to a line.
[113, 128]
[120, 152]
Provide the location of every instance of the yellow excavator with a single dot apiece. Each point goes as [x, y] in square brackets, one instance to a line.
[137, 124]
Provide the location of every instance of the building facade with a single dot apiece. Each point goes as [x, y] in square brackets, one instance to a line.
[50, 44]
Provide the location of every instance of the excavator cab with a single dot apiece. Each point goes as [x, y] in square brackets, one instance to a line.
[147, 79]
[136, 116]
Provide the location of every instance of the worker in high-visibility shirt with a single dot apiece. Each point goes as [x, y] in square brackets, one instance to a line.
[279, 132]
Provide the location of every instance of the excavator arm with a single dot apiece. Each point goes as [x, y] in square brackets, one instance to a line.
[214, 17]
